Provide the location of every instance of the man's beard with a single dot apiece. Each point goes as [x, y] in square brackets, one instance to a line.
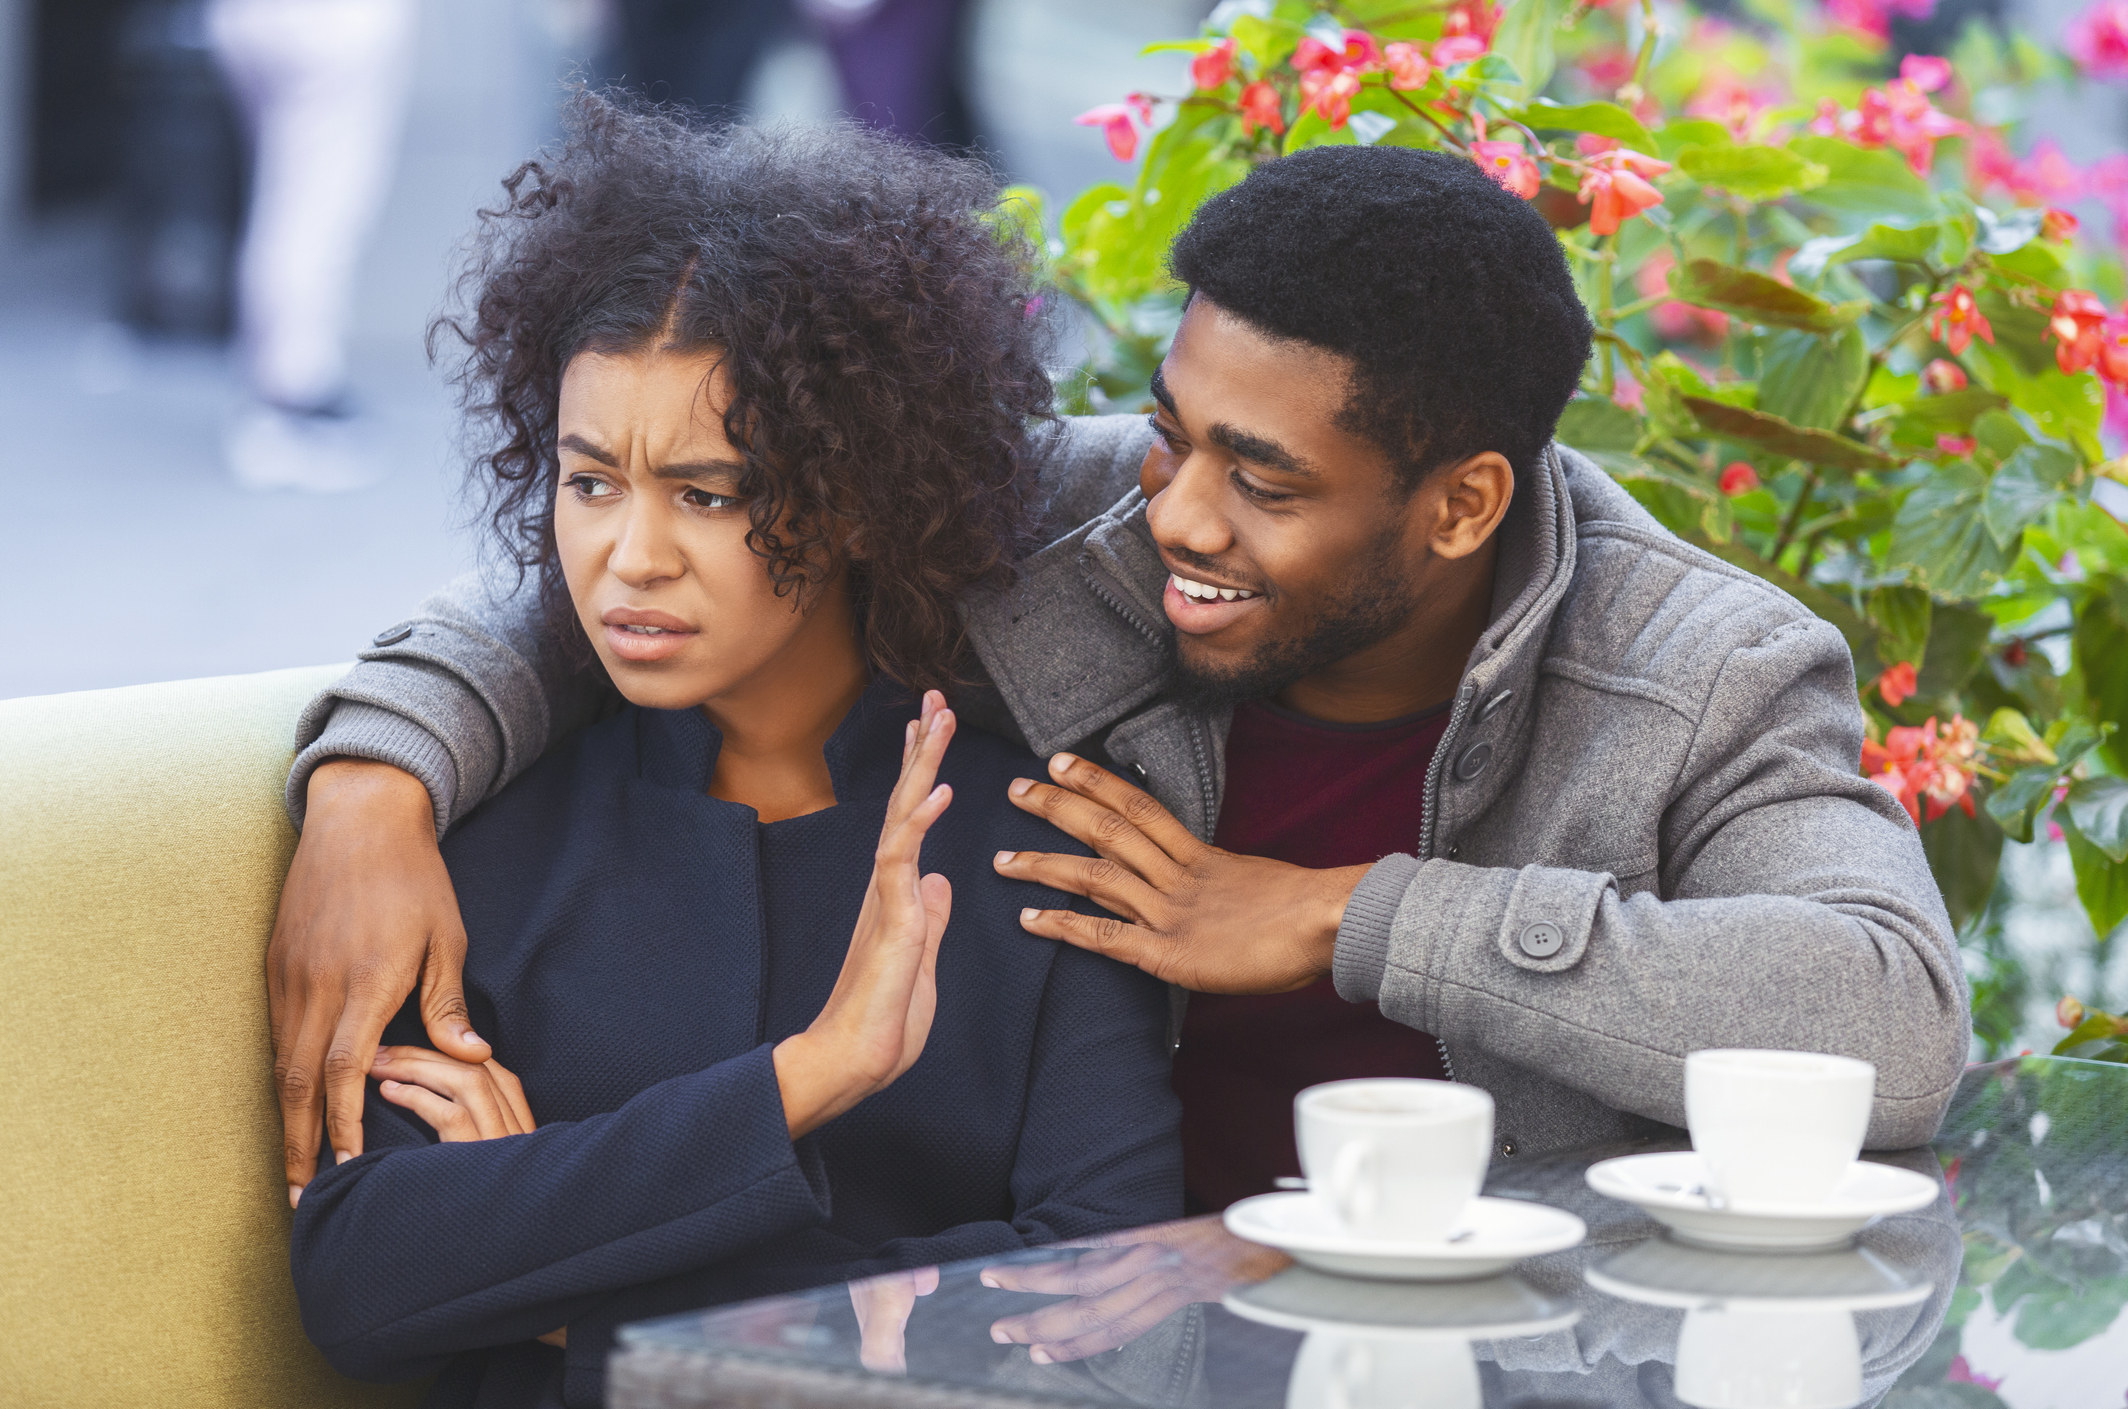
[1380, 605]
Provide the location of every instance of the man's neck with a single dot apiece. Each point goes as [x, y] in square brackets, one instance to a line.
[1415, 667]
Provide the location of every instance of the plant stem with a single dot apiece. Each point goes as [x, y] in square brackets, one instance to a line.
[1649, 33]
[1795, 513]
[1453, 140]
[1605, 317]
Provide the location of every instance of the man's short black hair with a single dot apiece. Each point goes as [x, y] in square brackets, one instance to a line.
[1449, 295]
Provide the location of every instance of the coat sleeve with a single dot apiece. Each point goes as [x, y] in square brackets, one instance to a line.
[1099, 1151]
[1797, 911]
[416, 1251]
[464, 695]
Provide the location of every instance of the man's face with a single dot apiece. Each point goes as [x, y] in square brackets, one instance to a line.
[1315, 551]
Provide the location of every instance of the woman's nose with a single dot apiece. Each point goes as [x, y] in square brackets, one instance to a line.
[645, 550]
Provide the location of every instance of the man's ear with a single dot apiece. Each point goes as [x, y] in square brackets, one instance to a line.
[1472, 496]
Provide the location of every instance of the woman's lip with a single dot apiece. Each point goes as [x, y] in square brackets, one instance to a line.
[643, 616]
[1195, 618]
[645, 647]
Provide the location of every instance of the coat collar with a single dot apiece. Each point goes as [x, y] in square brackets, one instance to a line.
[1080, 639]
[678, 747]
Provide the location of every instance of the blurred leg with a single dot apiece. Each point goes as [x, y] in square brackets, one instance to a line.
[696, 52]
[900, 64]
[323, 84]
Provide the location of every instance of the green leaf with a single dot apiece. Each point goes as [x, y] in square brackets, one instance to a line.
[1940, 536]
[1963, 854]
[1524, 38]
[1759, 298]
[1603, 119]
[1897, 242]
[1998, 434]
[2017, 496]
[2101, 886]
[1781, 438]
[1957, 644]
[1674, 136]
[1755, 173]
[1811, 381]
[1312, 129]
[2059, 1319]
[1923, 418]
[2016, 805]
[2100, 809]
[2099, 649]
[1268, 41]
[1902, 617]
[1876, 184]
[1593, 423]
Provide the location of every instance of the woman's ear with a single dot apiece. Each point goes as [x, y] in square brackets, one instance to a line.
[1474, 497]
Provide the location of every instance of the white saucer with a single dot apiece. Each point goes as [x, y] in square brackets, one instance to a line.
[1494, 1235]
[1497, 1308]
[1671, 1187]
[1659, 1272]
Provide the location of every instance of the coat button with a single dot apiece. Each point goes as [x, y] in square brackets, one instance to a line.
[1507, 1149]
[1473, 761]
[1542, 940]
[392, 636]
[1138, 771]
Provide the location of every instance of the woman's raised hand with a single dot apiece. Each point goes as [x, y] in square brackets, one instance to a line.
[875, 1022]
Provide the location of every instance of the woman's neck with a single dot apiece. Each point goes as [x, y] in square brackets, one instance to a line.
[776, 724]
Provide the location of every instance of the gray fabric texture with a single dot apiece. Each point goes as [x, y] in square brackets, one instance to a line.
[1667, 795]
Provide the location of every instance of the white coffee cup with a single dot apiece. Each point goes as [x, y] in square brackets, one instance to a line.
[1776, 1127]
[1356, 1370]
[1738, 1357]
[1395, 1157]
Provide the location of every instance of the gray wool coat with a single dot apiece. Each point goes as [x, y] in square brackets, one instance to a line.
[1643, 832]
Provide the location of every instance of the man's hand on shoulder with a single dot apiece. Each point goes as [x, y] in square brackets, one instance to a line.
[367, 910]
[1192, 914]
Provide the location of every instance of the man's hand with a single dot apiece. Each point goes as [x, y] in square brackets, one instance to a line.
[1122, 1287]
[1207, 919]
[366, 911]
[883, 1305]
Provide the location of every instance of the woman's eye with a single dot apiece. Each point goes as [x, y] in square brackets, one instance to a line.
[590, 487]
[704, 499]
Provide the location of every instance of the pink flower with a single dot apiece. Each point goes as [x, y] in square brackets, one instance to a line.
[1925, 71]
[2058, 225]
[1408, 68]
[1628, 393]
[2075, 324]
[1956, 446]
[1739, 478]
[1896, 683]
[1259, 108]
[1730, 101]
[1458, 49]
[1929, 768]
[1590, 144]
[1676, 322]
[1941, 376]
[1330, 93]
[1214, 66]
[1614, 186]
[1874, 17]
[1114, 120]
[1607, 67]
[1311, 54]
[1898, 115]
[2098, 39]
[1509, 165]
[1957, 319]
[2113, 349]
[1962, 1373]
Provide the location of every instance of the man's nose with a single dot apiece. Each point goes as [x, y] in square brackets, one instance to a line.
[1188, 515]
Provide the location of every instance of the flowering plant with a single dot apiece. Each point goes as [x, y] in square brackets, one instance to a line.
[1847, 337]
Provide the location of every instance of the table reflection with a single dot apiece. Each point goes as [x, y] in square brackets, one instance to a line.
[2027, 1233]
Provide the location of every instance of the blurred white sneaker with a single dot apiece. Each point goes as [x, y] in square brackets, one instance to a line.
[319, 452]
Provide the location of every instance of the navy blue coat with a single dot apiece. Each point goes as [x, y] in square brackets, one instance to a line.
[637, 948]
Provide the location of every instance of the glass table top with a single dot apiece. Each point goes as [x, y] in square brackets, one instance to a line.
[2006, 1292]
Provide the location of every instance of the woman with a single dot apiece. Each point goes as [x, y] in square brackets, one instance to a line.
[755, 401]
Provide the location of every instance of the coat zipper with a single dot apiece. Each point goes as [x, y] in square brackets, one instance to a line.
[1429, 827]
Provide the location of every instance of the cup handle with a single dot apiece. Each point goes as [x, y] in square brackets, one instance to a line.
[1352, 1191]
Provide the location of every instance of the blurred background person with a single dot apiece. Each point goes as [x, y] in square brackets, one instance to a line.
[701, 53]
[322, 85]
[900, 63]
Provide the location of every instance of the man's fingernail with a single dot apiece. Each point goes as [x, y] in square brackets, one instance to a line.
[1020, 786]
[999, 1336]
[1001, 858]
[1038, 1355]
[1061, 764]
[1027, 916]
[295, 1195]
[987, 1280]
[472, 1036]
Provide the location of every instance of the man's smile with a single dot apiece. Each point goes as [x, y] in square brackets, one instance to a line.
[1198, 608]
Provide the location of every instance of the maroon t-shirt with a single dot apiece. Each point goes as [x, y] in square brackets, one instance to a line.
[1320, 795]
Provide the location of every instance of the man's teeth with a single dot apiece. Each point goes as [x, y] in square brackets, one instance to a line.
[1205, 592]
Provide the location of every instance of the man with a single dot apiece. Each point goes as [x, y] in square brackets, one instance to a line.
[1502, 781]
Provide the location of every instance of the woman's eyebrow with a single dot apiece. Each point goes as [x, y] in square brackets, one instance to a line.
[585, 448]
[701, 469]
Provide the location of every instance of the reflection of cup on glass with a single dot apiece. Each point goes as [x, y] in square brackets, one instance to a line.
[1356, 1370]
[1760, 1357]
[1396, 1157]
[1776, 1127]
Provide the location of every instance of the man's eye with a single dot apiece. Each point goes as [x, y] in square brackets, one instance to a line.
[590, 487]
[1167, 437]
[1258, 492]
[704, 499]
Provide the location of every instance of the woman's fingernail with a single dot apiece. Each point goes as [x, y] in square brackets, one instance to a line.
[1027, 916]
[341, 1157]
[987, 1280]
[295, 1195]
[472, 1036]
[999, 1336]
[1020, 786]
[1038, 1355]
[1001, 858]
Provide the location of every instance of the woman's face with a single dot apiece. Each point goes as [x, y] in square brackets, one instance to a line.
[652, 537]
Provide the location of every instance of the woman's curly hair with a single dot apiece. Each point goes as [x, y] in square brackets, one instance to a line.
[876, 324]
